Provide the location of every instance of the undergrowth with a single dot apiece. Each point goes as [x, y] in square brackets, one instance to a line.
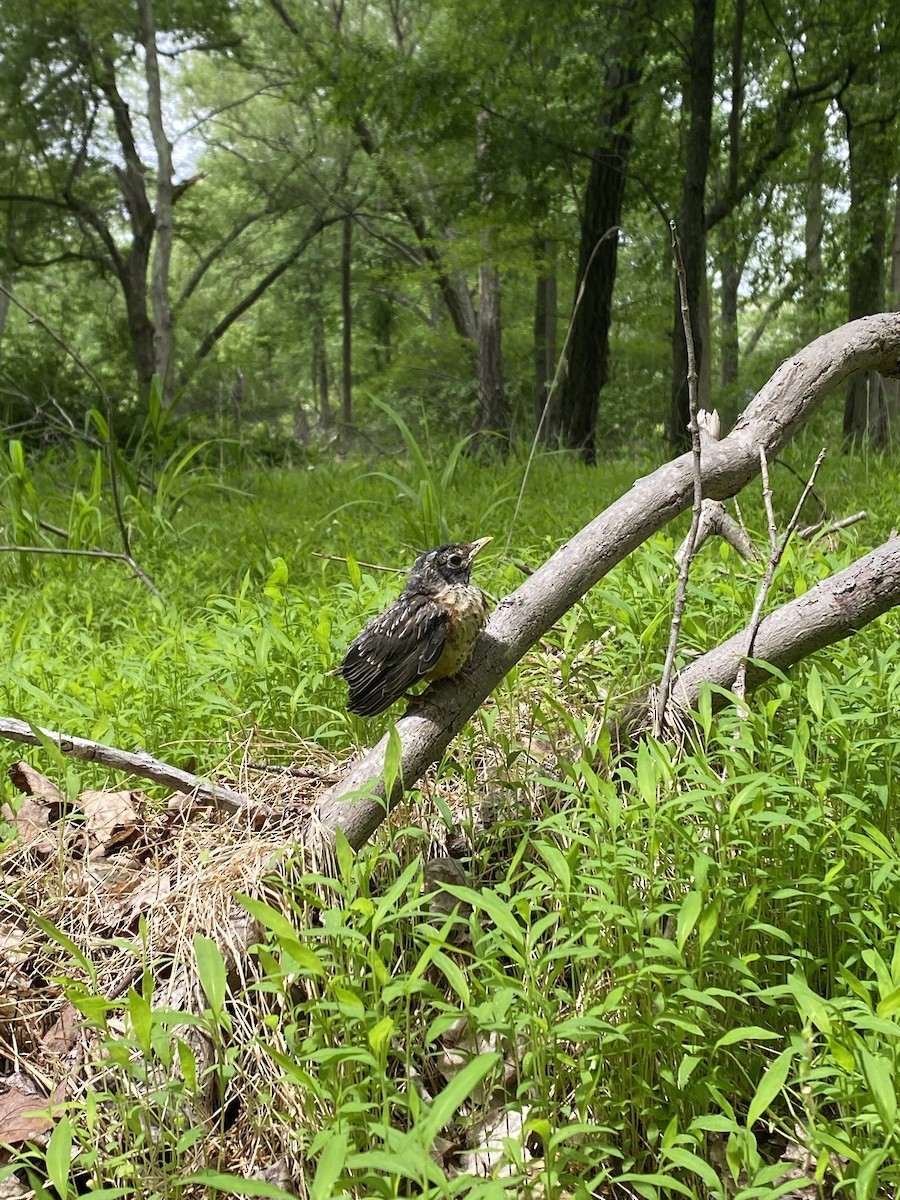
[671, 965]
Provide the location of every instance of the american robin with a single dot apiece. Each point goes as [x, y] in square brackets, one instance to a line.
[427, 633]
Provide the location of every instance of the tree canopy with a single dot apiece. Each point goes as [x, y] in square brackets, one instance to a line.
[283, 210]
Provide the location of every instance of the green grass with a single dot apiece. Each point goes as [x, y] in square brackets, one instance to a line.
[674, 961]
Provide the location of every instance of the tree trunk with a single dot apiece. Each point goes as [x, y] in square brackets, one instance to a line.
[730, 266]
[814, 217]
[133, 269]
[319, 365]
[692, 221]
[865, 417]
[4, 309]
[892, 386]
[163, 325]
[544, 326]
[346, 327]
[573, 417]
[493, 411]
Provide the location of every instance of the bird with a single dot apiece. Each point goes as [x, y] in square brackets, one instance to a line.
[427, 633]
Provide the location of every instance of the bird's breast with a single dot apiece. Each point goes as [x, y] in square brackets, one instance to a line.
[468, 611]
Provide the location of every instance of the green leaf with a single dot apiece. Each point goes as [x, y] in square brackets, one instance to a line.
[59, 1156]
[343, 852]
[646, 775]
[745, 1033]
[770, 1086]
[380, 1034]
[187, 1064]
[447, 1103]
[237, 1185]
[866, 1181]
[488, 901]
[880, 1079]
[687, 917]
[689, 1161]
[141, 1019]
[100, 424]
[890, 1004]
[211, 969]
[329, 1167]
[354, 573]
[268, 917]
[46, 926]
[814, 693]
[557, 863]
[393, 761]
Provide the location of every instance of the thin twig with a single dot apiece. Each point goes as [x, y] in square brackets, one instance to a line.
[110, 554]
[690, 542]
[368, 566]
[107, 404]
[138, 762]
[551, 391]
[767, 498]
[819, 530]
[740, 683]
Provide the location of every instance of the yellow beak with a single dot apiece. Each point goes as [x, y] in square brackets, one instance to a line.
[476, 547]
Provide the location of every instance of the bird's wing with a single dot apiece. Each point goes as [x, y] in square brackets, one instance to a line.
[393, 652]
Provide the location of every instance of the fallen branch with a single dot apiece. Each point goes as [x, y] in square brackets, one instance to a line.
[137, 762]
[829, 612]
[358, 803]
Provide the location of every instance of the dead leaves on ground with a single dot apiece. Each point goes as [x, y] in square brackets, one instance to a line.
[90, 866]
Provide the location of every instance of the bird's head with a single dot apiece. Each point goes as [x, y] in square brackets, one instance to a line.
[446, 565]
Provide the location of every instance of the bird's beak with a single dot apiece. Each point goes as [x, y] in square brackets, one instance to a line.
[475, 547]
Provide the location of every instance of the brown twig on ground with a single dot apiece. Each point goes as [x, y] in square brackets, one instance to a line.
[65, 551]
[137, 762]
[690, 542]
[778, 548]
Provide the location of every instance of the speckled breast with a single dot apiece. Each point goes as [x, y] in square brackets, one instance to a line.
[468, 612]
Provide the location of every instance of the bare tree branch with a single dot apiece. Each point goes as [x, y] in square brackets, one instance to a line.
[690, 541]
[315, 228]
[358, 803]
[778, 548]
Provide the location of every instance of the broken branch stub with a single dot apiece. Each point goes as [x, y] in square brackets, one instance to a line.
[358, 803]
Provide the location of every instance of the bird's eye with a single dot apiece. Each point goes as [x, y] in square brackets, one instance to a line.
[455, 562]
